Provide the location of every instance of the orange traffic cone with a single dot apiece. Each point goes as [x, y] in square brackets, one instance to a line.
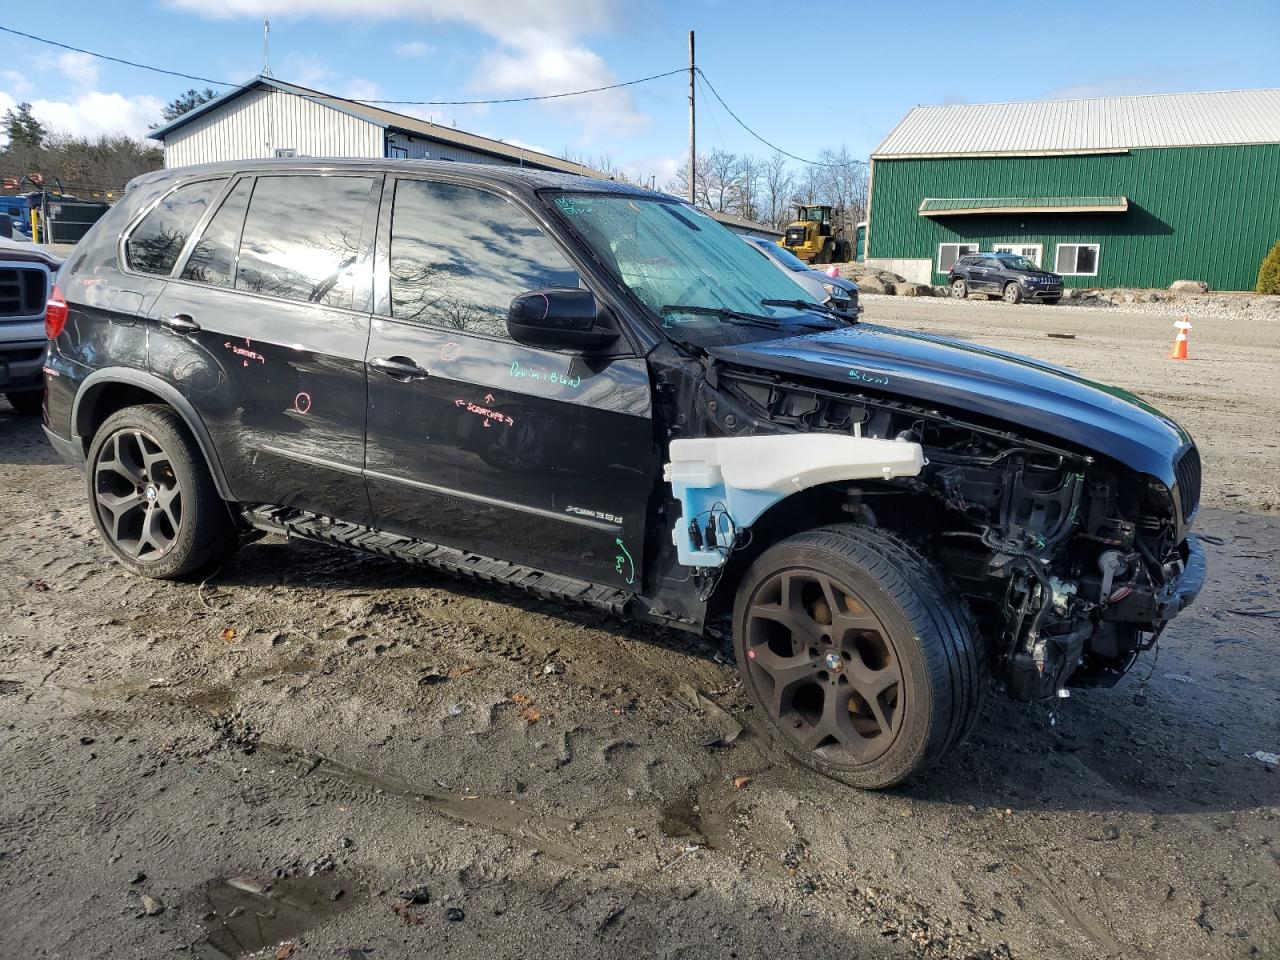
[1179, 351]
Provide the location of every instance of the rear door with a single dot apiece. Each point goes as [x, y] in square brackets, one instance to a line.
[264, 330]
[536, 456]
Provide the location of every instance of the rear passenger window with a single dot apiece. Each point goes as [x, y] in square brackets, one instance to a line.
[155, 243]
[302, 237]
[214, 257]
[459, 256]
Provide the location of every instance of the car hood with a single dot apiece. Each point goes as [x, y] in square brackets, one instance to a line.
[12, 250]
[964, 377]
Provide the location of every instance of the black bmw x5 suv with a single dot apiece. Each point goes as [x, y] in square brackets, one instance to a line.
[595, 392]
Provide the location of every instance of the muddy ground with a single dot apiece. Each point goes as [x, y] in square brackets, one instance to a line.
[274, 756]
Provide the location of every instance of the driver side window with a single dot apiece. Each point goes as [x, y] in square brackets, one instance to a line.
[459, 256]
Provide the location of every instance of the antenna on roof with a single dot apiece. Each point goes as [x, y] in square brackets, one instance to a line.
[266, 47]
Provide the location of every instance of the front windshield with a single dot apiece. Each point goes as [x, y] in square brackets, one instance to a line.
[669, 254]
[781, 254]
[1018, 263]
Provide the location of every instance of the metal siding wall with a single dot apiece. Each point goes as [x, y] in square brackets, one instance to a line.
[1199, 213]
[421, 148]
[254, 125]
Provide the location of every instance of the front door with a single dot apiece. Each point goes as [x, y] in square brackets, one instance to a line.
[535, 456]
[264, 331]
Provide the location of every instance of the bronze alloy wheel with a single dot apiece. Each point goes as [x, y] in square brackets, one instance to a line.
[137, 495]
[863, 660]
[826, 666]
[153, 498]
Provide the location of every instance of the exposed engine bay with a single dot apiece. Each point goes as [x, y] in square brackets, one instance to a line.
[1070, 561]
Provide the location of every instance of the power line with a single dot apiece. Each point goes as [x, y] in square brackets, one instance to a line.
[407, 103]
[742, 124]
[127, 63]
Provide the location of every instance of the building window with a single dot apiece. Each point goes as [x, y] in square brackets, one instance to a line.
[285, 152]
[949, 253]
[1032, 251]
[1077, 260]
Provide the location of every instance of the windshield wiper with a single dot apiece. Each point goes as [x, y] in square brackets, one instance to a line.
[724, 314]
[824, 308]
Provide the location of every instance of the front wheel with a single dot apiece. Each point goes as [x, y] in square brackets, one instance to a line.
[1012, 293]
[864, 662]
[153, 500]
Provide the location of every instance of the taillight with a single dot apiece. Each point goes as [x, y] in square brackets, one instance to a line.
[55, 314]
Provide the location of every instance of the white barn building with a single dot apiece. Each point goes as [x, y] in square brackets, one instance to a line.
[267, 118]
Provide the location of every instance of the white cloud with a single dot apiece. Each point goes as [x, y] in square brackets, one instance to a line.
[80, 68]
[309, 70]
[411, 49]
[17, 83]
[493, 16]
[538, 50]
[93, 114]
[539, 62]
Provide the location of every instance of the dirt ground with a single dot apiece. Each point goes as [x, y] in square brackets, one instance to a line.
[276, 755]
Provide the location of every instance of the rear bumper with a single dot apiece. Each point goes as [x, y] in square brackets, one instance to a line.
[68, 450]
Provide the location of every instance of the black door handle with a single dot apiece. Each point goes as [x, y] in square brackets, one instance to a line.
[399, 368]
[180, 323]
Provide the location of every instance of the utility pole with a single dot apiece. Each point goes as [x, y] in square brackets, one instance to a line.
[693, 135]
[266, 47]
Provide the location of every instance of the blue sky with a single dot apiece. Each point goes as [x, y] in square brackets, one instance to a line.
[880, 60]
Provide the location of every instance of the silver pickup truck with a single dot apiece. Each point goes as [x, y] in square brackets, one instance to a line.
[26, 276]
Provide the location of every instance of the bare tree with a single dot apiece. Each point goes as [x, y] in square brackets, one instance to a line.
[777, 183]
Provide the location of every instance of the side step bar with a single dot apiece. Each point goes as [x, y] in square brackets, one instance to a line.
[310, 526]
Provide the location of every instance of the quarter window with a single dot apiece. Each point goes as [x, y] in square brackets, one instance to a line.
[1077, 259]
[214, 258]
[154, 245]
[949, 253]
[459, 256]
[302, 237]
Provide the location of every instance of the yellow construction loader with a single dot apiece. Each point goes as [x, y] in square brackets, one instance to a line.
[813, 237]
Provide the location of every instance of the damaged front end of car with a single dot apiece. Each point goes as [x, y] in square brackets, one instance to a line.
[1072, 561]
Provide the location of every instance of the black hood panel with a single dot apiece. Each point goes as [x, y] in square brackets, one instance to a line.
[965, 377]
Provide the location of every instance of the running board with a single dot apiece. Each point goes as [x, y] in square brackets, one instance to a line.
[310, 526]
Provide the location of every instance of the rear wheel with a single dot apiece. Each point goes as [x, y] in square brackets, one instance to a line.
[153, 500]
[959, 289]
[27, 403]
[864, 662]
[1012, 293]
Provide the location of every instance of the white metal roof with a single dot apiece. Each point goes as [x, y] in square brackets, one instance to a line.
[1099, 125]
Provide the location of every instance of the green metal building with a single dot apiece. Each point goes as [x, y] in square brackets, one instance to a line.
[1114, 191]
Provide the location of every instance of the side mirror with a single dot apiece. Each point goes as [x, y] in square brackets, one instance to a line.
[560, 317]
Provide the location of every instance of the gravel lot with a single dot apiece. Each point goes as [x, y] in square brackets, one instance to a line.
[274, 756]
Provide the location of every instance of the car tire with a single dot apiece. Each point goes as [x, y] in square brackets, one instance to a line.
[903, 661]
[1012, 292]
[825, 254]
[152, 497]
[27, 403]
[959, 288]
